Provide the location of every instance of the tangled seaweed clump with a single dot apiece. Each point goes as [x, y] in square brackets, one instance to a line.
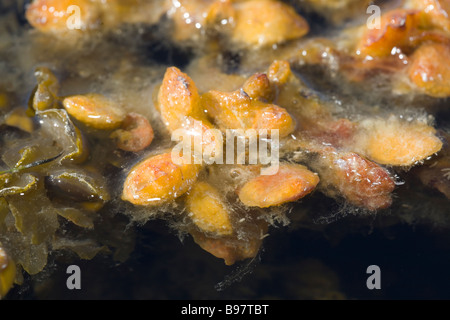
[90, 148]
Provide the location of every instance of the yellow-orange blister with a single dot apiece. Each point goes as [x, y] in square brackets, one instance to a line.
[290, 183]
[273, 117]
[58, 16]
[237, 110]
[95, 110]
[258, 86]
[226, 248]
[437, 11]
[157, 180]
[398, 143]
[135, 133]
[7, 273]
[396, 30]
[177, 98]
[229, 110]
[279, 72]
[360, 181]
[265, 22]
[429, 69]
[208, 210]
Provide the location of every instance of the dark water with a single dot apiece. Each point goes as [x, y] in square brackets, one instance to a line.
[293, 264]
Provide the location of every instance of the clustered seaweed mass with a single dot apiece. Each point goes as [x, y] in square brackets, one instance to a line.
[78, 156]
